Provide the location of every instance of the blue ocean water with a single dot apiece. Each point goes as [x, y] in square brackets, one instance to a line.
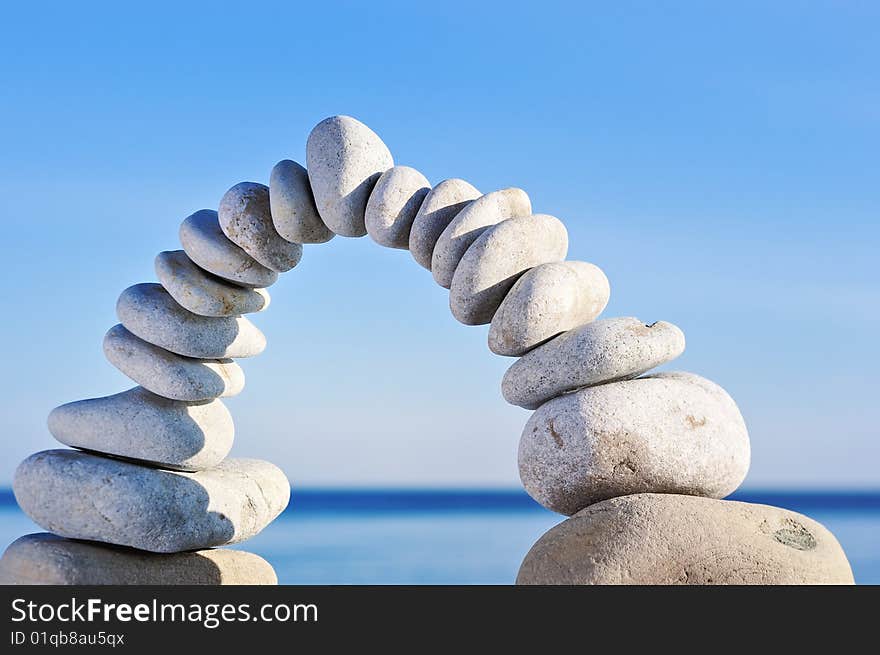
[461, 537]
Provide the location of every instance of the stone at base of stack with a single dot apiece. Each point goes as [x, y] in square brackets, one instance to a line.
[662, 539]
[46, 559]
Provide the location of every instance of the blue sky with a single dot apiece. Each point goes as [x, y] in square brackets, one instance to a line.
[718, 160]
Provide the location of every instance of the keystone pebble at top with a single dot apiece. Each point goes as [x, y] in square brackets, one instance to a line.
[640, 462]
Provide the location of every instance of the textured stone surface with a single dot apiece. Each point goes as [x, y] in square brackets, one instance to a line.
[393, 204]
[440, 206]
[495, 260]
[344, 158]
[652, 539]
[202, 293]
[83, 496]
[293, 206]
[138, 424]
[168, 374]
[546, 301]
[46, 559]
[469, 224]
[148, 311]
[601, 351]
[665, 433]
[246, 220]
[210, 249]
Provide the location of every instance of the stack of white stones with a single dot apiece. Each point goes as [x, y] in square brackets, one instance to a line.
[151, 475]
[640, 461]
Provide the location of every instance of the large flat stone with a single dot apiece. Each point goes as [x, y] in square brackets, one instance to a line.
[664, 539]
[83, 496]
[47, 559]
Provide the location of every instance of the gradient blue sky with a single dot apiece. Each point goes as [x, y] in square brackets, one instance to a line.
[718, 160]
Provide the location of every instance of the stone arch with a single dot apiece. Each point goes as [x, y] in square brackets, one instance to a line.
[636, 458]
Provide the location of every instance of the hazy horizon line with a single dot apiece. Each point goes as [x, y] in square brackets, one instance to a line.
[414, 499]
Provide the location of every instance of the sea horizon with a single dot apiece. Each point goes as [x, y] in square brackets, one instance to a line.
[475, 499]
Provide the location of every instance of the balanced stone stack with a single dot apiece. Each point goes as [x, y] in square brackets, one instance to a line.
[149, 493]
[639, 460]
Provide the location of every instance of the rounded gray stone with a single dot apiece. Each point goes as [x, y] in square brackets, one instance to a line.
[437, 210]
[170, 375]
[344, 158]
[246, 220]
[664, 433]
[602, 351]
[47, 559]
[148, 311]
[293, 206]
[210, 249]
[469, 224]
[202, 293]
[546, 301]
[83, 496]
[393, 204]
[502, 253]
[138, 424]
[664, 539]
